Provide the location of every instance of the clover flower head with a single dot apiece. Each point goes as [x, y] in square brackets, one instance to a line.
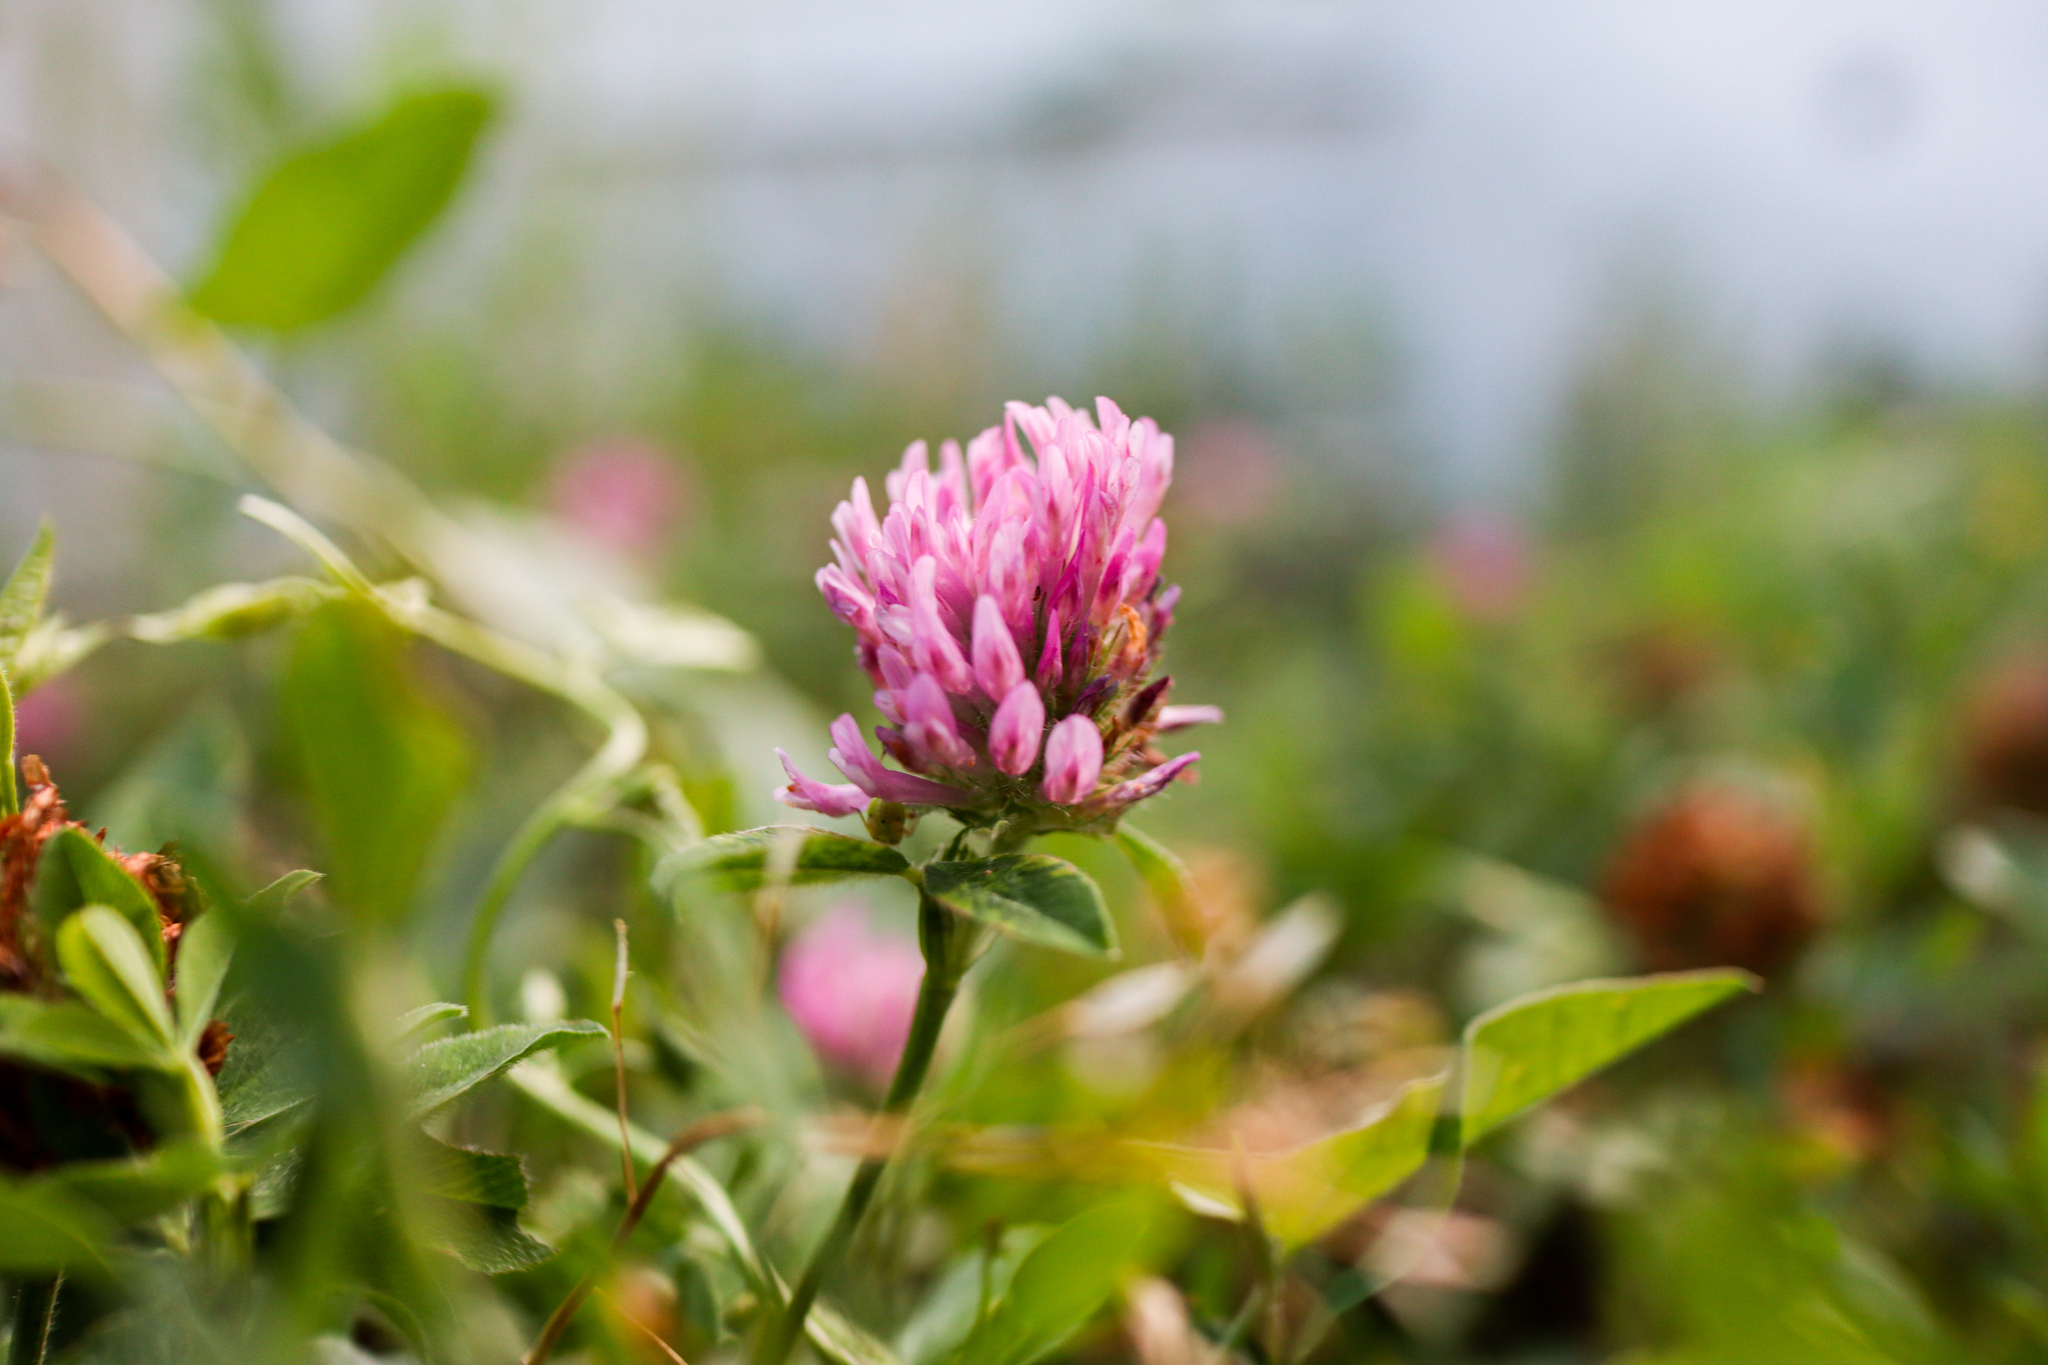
[1008, 609]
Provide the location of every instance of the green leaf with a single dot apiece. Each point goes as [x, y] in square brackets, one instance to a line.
[105, 961]
[50, 649]
[64, 1035]
[231, 610]
[382, 761]
[327, 223]
[133, 1188]
[413, 1023]
[843, 1343]
[1032, 896]
[448, 1068]
[1063, 1282]
[269, 1072]
[21, 599]
[49, 1229]
[1530, 1048]
[1305, 1192]
[205, 949]
[281, 892]
[489, 1240]
[83, 873]
[743, 861]
[1166, 878]
[472, 1177]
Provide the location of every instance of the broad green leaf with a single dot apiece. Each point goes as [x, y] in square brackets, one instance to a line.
[133, 1188]
[1166, 878]
[470, 1176]
[83, 873]
[234, 609]
[205, 949]
[448, 1068]
[1058, 1287]
[49, 1229]
[105, 961]
[413, 1023]
[383, 763]
[64, 1035]
[327, 223]
[489, 1240]
[1032, 896]
[1305, 1192]
[21, 599]
[268, 1073]
[1529, 1049]
[743, 861]
[278, 894]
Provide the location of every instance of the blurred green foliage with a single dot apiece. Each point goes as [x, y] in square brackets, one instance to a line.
[1788, 662]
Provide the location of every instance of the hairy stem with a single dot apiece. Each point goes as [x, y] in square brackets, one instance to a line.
[35, 1314]
[945, 939]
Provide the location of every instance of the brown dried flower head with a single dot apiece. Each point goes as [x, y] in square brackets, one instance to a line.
[2005, 737]
[1718, 875]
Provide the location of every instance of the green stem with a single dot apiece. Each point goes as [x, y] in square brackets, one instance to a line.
[35, 1314]
[946, 940]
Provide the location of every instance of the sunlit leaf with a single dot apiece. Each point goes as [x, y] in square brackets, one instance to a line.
[105, 961]
[77, 871]
[234, 609]
[280, 893]
[21, 599]
[51, 648]
[743, 861]
[1032, 896]
[472, 1177]
[448, 1068]
[1058, 1287]
[205, 949]
[327, 223]
[413, 1023]
[64, 1035]
[1305, 1192]
[1529, 1049]
[1167, 879]
[383, 763]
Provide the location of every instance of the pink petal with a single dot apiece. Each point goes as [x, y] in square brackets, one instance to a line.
[1018, 726]
[1073, 761]
[1146, 784]
[826, 798]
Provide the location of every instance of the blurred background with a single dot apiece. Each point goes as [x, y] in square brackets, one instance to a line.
[1613, 477]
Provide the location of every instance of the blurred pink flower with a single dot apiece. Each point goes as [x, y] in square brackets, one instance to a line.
[47, 720]
[1013, 587]
[622, 493]
[851, 991]
[1486, 562]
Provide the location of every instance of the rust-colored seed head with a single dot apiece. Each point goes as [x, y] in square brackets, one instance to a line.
[2005, 737]
[1716, 877]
